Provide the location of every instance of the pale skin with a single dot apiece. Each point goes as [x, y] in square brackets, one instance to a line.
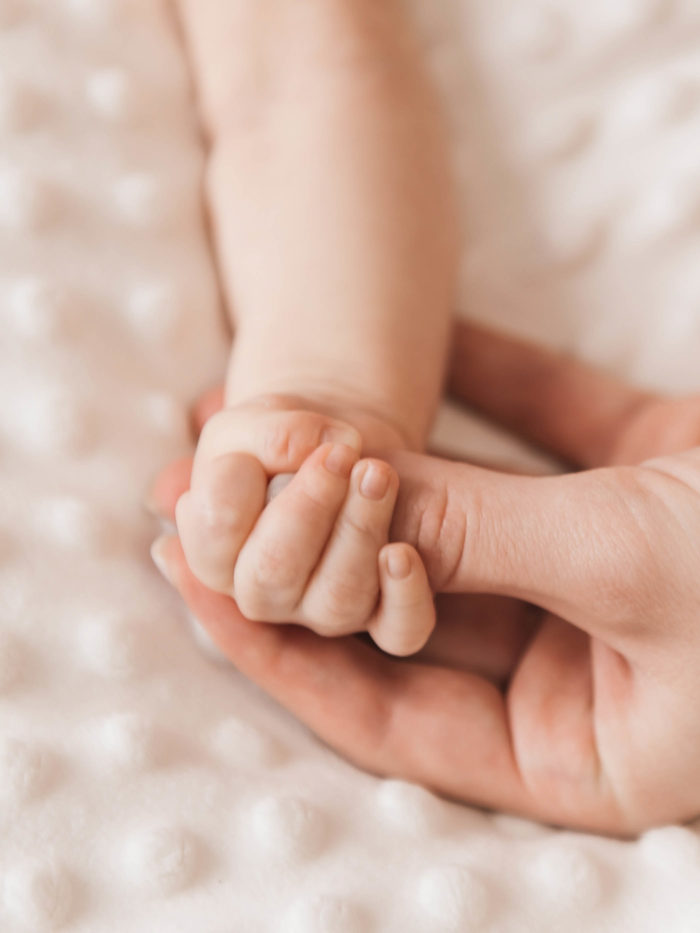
[582, 712]
[331, 201]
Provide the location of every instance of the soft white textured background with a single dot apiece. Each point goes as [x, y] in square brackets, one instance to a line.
[144, 787]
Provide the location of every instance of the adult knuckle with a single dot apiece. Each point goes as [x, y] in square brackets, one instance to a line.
[437, 531]
[624, 560]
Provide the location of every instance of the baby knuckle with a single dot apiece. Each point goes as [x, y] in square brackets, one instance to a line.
[345, 601]
[277, 443]
[274, 574]
[361, 526]
[290, 439]
[314, 500]
[271, 568]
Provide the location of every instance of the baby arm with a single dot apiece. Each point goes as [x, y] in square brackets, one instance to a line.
[330, 196]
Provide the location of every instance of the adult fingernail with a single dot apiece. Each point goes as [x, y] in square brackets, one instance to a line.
[375, 481]
[398, 563]
[340, 460]
[159, 556]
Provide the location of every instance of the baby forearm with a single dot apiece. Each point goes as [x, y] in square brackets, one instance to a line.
[331, 200]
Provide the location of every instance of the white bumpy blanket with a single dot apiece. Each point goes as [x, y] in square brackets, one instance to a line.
[143, 786]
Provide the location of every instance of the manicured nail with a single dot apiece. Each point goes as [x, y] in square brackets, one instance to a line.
[340, 460]
[375, 482]
[398, 563]
[158, 554]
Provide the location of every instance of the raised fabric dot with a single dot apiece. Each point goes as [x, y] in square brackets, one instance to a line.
[39, 896]
[26, 203]
[242, 744]
[410, 808]
[20, 107]
[165, 859]
[111, 646]
[327, 914]
[25, 770]
[288, 828]
[454, 898]
[568, 876]
[12, 662]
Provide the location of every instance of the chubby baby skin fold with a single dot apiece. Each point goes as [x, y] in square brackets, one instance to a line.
[331, 199]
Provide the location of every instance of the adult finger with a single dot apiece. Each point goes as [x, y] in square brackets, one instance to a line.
[595, 548]
[447, 729]
[574, 410]
[481, 634]
[387, 716]
[486, 635]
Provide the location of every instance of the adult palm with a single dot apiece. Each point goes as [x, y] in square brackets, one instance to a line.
[566, 690]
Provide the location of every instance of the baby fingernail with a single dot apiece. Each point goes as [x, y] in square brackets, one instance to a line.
[158, 554]
[398, 563]
[375, 482]
[340, 460]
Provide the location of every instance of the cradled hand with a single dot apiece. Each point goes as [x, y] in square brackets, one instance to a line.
[569, 691]
[317, 552]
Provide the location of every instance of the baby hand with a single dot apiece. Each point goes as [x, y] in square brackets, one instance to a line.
[316, 553]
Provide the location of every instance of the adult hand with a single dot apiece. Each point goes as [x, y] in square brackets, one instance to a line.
[584, 712]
